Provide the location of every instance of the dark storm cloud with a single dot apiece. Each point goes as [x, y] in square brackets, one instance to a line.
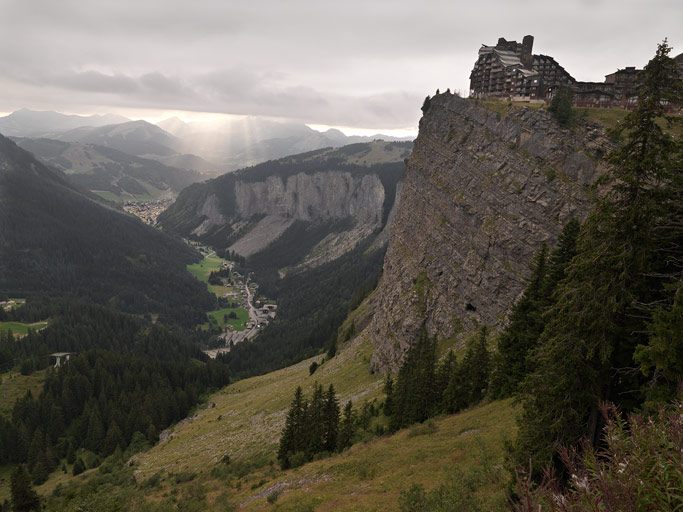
[365, 63]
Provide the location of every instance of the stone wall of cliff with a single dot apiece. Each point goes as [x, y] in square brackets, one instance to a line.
[313, 197]
[481, 193]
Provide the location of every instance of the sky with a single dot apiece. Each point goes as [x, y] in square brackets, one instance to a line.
[362, 65]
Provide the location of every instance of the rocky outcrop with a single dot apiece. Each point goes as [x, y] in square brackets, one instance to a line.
[311, 197]
[350, 191]
[481, 193]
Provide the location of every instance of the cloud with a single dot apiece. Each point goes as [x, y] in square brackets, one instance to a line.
[353, 63]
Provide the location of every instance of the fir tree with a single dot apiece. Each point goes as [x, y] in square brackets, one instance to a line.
[347, 428]
[24, 498]
[415, 396]
[113, 439]
[389, 393]
[522, 332]
[331, 420]
[475, 369]
[315, 422]
[292, 438]
[79, 467]
[521, 335]
[443, 376]
[662, 357]
[561, 106]
[585, 354]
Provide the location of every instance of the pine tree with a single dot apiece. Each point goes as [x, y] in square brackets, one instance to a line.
[415, 397]
[443, 377]
[522, 332]
[662, 357]
[113, 439]
[475, 369]
[561, 106]
[389, 393]
[95, 433]
[586, 351]
[315, 420]
[347, 428]
[521, 335]
[293, 435]
[79, 467]
[331, 420]
[24, 498]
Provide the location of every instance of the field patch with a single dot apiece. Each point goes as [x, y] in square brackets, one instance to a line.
[222, 318]
[21, 328]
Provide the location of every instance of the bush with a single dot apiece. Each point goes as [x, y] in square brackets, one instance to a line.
[273, 496]
[79, 467]
[639, 469]
[561, 106]
[313, 367]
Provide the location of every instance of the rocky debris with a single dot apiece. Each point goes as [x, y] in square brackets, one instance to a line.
[480, 195]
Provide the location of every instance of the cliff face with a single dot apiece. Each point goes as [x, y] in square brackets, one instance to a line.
[350, 190]
[310, 197]
[481, 193]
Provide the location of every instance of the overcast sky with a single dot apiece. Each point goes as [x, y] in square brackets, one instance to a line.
[352, 63]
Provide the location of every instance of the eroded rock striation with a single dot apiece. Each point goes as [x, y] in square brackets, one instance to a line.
[482, 191]
[350, 190]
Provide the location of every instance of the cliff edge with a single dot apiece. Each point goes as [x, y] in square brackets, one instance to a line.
[483, 190]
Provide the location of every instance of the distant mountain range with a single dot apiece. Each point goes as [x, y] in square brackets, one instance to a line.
[33, 123]
[112, 174]
[248, 141]
[209, 148]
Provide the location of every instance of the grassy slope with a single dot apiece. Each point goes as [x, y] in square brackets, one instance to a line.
[370, 476]
[15, 385]
[252, 413]
[21, 328]
[245, 424]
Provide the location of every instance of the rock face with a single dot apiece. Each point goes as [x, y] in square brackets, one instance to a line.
[481, 193]
[310, 197]
[351, 189]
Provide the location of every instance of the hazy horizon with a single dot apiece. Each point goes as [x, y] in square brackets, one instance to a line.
[363, 68]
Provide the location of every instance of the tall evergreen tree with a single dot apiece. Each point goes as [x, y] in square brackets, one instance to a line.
[330, 420]
[522, 331]
[389, 394]
[315, 422]
[521, 335]
[444, 373]
[586, 350]
[415, 396]
[24, 498]
[347, 428]
[292, 439]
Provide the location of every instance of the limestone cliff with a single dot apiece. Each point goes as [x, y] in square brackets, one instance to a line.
[350, 189]
[482, 191]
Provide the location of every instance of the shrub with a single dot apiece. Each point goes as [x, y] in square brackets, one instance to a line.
[639, 469]
[79, 467]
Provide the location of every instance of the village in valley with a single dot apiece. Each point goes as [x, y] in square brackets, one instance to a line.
[243, 313]
[148, 212]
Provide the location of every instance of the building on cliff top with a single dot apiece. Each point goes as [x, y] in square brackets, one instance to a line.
[510, 70]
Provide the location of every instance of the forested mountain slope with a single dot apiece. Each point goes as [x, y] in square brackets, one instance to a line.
[56, 242]
[109, 172]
